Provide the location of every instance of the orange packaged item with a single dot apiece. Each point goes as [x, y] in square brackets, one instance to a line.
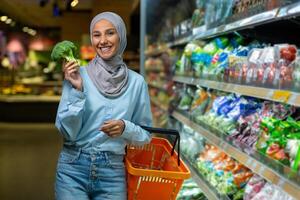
[242, 178]
[202, 95]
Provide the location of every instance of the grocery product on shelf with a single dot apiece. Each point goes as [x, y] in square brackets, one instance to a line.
[251, 124]
[223, 173]
[240, 89]
[190, 191]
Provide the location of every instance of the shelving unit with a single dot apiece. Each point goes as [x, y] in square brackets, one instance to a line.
[207, 189]
[256, 166]
[159, 87]
[29, 98]
[269, 169]
[157, 104]
[283, 96]
[277, 14]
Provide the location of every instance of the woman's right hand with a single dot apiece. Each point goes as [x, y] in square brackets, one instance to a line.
[71, 73]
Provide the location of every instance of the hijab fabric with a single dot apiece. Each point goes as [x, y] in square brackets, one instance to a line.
[110, 76]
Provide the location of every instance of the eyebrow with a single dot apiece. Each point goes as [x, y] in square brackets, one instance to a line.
[110, 29]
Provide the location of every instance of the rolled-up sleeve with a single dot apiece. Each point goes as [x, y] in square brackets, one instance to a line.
[142, 116]
[70, 112]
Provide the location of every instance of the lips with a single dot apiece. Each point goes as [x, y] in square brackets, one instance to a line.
[105, 49]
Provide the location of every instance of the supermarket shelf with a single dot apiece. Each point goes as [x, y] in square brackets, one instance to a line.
[154, 70]
[29, 98]
[256, 166]
[277, 14]
[284, 96]
[181, 41]
[155, 53]
[159, 87]
[44, 84]
[161, 106]
[202, 183]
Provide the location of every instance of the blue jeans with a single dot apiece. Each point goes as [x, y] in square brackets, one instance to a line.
[84, 175]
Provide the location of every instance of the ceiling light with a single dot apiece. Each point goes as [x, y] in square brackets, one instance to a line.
[25, 29]
[33, 32]
[3, 18]
[74, 3]
[8, 21]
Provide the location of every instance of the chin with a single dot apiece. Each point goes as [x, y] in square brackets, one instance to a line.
[106, 57]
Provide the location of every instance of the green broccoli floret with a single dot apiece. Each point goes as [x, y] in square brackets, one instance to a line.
[65, 50]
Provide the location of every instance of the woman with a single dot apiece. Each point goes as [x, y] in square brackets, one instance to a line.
[100, 111]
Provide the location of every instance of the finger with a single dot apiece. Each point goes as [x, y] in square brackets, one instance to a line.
[71, 71]
[108, 122]
[73, 66]
[114, 133]
[106, 127]
[66, 63]
[115, 128]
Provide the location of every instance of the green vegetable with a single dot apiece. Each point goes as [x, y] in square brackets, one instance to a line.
[65, 50]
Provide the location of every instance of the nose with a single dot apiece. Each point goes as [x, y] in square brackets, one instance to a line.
[103, 40]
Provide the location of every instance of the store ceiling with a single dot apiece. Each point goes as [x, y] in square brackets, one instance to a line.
[32, 13]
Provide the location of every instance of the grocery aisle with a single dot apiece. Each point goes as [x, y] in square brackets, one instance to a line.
[28, 155]
[225, 78]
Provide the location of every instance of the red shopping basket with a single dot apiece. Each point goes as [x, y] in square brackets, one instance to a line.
[155, 171]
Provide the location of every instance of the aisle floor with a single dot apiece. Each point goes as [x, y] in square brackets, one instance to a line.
[28, 156]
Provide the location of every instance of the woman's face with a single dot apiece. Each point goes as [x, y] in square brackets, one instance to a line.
[105, 39]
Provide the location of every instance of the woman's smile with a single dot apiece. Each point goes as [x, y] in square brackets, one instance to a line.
[105, 39]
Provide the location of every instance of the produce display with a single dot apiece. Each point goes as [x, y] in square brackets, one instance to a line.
[257, 188]
[243, 126]
[232, 60]
[252, 124]
[223, 173]
[160, 118]
[190, 191]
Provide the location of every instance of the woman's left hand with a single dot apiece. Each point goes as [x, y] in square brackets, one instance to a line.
[113, 128]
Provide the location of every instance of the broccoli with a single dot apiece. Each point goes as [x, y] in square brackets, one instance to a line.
[65, 50]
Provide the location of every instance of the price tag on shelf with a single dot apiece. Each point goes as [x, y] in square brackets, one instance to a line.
[281, 95]
[281, 183]
[249, 162]
[261, 170]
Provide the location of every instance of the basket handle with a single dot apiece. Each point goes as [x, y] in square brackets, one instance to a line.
[165, 131]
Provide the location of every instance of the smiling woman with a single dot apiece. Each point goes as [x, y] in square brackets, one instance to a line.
[105, 39]
[102, 109]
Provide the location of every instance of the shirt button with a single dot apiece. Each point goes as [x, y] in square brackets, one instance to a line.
[93, 172]
[94, 166]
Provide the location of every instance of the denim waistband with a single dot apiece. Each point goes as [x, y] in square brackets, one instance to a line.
[89, 150]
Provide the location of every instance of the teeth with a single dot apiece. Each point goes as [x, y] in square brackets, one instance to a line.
[105, 49]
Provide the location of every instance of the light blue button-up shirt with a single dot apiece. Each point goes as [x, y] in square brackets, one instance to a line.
[81, 114]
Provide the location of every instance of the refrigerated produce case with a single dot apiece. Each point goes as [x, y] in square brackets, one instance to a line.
[272, 24]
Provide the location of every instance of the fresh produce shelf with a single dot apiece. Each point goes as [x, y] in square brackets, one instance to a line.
[155, 53]
[205, 186]
[283, 96]
[277, 14]
[159, 87]
[157, 104]
[181, 41]
[29, 98]
[255, 164]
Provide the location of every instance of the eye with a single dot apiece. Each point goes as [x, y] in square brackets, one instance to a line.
[110, 32]
[96, 34]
